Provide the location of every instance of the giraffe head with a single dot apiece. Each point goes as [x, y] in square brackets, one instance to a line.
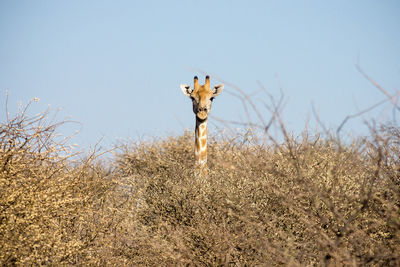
[202, 96]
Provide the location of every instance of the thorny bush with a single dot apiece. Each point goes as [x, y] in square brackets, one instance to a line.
[306, 201]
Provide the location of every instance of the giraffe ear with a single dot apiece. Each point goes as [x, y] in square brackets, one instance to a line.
[186, 90]
[217, 89]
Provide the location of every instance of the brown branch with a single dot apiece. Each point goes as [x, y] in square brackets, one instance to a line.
[386, 93]
[348, 117]
[320, 123]
[251, 124]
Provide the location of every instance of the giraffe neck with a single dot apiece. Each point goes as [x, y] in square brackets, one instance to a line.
[201, 146]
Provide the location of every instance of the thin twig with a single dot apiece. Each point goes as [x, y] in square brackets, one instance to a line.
[386, 93]
[348, 117]
[320, 123]
[7, 114]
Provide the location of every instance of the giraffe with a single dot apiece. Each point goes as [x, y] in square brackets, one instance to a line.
[201, 97]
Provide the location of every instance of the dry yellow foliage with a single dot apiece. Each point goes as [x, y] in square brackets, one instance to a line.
[301, 202]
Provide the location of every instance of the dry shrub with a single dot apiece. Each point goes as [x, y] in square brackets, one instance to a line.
[51, 203]
[305, 201]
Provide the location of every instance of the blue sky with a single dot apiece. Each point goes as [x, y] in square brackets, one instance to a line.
[116, 66]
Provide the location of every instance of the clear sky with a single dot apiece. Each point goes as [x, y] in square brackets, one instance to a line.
[116, 66]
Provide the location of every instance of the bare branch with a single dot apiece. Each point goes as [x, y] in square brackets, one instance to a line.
[386, 93]
[320, 123]
[348, 117]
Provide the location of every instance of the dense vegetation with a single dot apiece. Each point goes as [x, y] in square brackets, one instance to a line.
[304, 201]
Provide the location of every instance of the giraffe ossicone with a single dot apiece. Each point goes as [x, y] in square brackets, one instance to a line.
[202, 97]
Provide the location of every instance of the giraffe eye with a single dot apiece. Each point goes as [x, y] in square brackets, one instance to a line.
[212, 98]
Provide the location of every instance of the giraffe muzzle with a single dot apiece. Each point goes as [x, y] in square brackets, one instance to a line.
[202, 115]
